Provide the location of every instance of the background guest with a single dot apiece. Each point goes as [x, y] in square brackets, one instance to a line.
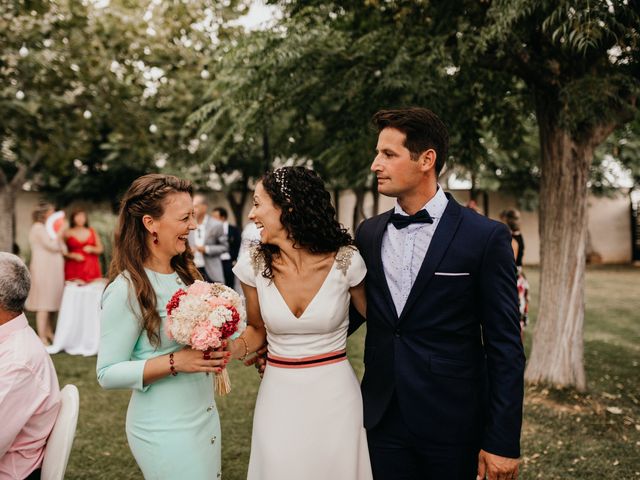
[473, 205]
[233, 236]
[29, 391]
[83, 249]
[47, 273]
[208, 242]
[512, 219]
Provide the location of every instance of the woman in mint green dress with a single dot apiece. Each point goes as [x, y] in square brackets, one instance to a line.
[172, 423]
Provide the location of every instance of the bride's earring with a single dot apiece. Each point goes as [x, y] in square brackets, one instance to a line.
[155, 238]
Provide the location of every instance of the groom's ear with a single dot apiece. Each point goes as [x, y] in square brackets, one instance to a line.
[427, 160]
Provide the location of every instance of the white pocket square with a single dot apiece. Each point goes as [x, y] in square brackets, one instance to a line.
[453, 274]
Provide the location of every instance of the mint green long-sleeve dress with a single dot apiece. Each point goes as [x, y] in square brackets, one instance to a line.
[172, 426]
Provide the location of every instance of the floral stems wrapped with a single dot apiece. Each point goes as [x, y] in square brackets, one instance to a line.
[222, 383]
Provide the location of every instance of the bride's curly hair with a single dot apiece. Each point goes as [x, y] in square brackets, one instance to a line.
[307, 213]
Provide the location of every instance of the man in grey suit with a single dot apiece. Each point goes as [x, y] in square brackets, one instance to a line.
[208, 242]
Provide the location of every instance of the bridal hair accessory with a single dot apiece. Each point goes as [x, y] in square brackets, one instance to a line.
[280, 176]
[203, 316]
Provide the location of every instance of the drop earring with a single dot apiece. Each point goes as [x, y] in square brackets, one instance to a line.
[155, 238]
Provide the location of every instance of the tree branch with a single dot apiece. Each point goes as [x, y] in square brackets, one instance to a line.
[600, 132]
[517, 63]
[21, 175]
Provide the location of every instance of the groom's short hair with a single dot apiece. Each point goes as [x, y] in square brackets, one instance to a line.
[422, 128]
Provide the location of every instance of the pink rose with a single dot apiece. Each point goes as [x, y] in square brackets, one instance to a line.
[199, 288]
[205, 336]
[216, 301]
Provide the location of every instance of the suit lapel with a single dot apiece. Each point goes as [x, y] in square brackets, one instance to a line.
[437, 248]
[380, 228]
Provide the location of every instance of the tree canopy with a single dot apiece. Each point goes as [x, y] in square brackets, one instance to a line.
[529, 89]
[99, 94]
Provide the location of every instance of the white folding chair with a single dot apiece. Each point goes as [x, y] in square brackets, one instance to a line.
[58, 448]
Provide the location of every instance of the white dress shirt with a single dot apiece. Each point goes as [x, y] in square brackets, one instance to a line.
[200, 232]
[403, 250]
[226, 255]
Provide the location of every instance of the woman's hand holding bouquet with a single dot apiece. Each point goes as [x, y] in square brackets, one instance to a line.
[202, 317]
[189, 360]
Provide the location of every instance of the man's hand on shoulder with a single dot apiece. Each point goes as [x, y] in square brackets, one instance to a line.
[495, 467]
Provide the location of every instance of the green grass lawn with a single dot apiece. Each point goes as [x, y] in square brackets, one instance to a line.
[566, 435]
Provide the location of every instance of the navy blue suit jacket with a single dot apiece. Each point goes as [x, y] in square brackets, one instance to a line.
[234, 242]
[453, 356]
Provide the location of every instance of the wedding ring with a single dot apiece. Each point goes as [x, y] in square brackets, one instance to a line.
[205, 355]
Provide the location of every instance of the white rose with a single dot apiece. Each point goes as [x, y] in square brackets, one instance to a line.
[219, 316]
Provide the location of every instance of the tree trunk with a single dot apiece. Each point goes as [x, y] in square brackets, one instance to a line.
[7, 205]
[557, 352]
[473, 193]
[237, 206]
[336, 202]
[9, 189]
[358, 208]
[485, 203]
[592, 257]
[376, 197]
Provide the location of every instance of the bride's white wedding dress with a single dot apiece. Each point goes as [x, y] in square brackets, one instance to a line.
[308, 417]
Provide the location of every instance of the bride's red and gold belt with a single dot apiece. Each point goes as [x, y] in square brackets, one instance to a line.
[306, 362]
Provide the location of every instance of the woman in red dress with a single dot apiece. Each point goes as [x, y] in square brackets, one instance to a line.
[84, 247]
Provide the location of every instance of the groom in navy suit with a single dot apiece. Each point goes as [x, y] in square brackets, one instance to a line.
[444, 363]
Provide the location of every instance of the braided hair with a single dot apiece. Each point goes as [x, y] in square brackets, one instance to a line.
[146, 196]
[307, 213]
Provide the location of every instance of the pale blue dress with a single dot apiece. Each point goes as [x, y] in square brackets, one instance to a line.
[173, 427]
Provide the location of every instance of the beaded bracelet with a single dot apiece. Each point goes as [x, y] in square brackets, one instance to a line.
[171, 365]
[246, 348]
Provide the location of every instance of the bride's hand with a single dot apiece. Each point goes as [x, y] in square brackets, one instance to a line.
[259, 360]
[189, 360]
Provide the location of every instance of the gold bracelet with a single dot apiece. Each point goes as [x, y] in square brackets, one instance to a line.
[246, 348]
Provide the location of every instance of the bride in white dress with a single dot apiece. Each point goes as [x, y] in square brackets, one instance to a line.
[298, 283]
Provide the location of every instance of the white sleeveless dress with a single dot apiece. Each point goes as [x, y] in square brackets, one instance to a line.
[308, 422]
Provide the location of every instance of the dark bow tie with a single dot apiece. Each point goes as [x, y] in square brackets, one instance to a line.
[401, 221]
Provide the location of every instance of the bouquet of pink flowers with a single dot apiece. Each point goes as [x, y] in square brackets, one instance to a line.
[204, 315]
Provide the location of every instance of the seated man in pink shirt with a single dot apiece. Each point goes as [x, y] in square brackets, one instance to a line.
[29, 391]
